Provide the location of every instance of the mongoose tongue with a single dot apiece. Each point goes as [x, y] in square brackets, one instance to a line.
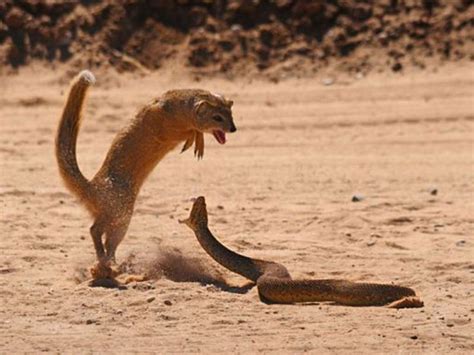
[219, 136]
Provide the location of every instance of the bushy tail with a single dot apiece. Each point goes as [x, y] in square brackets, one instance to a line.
[66, 138]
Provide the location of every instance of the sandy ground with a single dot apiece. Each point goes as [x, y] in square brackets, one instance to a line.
[280, 189]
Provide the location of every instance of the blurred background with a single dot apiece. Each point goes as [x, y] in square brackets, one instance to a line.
[237, 37]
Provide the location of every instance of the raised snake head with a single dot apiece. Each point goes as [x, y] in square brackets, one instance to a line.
[198, 215]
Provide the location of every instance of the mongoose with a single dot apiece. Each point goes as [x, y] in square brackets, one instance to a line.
[177, 116]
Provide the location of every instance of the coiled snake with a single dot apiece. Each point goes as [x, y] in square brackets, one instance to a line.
[275, 284]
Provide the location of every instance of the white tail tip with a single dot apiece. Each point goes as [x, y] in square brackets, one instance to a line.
[87, 77]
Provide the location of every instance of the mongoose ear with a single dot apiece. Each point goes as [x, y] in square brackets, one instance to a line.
[200, 104]
[229, 103]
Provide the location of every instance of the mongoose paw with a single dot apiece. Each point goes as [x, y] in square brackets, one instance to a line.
[104, 270]
[103, 275]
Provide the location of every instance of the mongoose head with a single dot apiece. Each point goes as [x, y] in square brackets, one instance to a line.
[214, 115]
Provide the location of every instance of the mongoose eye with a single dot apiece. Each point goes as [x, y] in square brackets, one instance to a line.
[218, 118]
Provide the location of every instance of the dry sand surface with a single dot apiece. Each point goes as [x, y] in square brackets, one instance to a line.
[280, 189]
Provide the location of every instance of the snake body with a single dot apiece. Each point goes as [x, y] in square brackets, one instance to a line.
[275, 284]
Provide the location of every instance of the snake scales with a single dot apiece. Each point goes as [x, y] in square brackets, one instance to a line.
[275, 284]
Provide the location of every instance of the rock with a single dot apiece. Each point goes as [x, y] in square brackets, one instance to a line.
[197, 16]
[357, 198]
[397, 67]
[167, 302]
[150, 299]
[327, 81]
[16, 18]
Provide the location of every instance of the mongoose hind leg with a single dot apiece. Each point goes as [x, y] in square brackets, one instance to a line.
[97, 230]
[114, 237]
[103, 269]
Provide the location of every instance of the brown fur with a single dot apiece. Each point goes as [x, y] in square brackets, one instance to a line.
[178, 116]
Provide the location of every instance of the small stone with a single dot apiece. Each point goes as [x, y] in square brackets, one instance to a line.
[167, 302]
[150, 299]
[327, 81]
[434, 192]
[461, 243]
[397, 67]
[236, 28]
[450, 325]
[414, 337]
[357, 198]
[16, 18]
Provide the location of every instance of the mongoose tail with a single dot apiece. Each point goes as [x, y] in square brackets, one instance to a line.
[66, 139]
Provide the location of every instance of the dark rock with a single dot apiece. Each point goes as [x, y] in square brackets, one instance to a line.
[397, 67]
[16, 18]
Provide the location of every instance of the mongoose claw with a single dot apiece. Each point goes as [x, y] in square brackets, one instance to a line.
[199, 145]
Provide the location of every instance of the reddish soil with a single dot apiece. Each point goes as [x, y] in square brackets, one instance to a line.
[237, 36]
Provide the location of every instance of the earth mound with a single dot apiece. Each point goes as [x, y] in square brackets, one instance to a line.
[236, 36]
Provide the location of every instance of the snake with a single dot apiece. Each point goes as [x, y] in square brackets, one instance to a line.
[275, 284]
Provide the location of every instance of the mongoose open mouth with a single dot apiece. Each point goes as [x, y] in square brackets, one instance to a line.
[219, 136]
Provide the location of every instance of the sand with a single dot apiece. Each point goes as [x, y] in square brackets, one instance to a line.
[280, 189]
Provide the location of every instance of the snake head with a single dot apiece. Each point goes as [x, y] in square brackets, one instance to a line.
[198, 215]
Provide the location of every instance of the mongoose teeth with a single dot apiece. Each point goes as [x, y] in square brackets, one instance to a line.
[87, 76]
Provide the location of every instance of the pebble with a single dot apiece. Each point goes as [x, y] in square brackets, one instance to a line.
[167, 302]
[357, 198]
[150, 299]
[327, 81]
[434, 192]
